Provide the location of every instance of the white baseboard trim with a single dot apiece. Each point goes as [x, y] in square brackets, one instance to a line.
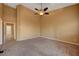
[52, 39]
[61, 40]
[27, 39]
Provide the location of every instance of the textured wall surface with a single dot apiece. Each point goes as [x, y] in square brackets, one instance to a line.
[28, 24]
[9, 16]
[62, 24]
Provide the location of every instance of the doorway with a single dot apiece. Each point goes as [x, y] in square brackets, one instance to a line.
[9, 32]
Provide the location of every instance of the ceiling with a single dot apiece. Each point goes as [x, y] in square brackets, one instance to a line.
[51, 6]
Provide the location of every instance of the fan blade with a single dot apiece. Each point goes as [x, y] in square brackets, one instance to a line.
[36, 13]
[45, 9]
[36, 9]
[46, 13]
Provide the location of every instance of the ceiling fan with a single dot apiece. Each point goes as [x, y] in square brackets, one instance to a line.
[42, 11]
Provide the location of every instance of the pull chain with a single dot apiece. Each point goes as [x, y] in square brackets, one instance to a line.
[41, 6]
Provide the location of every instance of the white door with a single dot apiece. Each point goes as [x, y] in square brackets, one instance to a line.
[9, 32]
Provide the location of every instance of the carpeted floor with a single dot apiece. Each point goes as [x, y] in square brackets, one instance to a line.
[40, 47]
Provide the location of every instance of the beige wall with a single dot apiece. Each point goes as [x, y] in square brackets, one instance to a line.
[28, 24]
[9, 16]
[62, 24]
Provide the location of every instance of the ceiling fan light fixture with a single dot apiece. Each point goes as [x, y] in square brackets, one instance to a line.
[41, 13]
